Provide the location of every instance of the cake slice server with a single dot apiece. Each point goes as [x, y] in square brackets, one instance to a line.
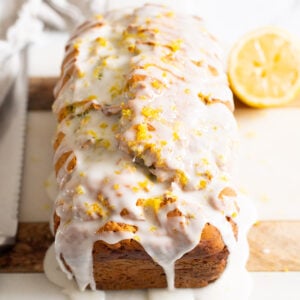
[12, 135]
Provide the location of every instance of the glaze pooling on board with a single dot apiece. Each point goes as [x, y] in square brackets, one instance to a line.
[145, 140]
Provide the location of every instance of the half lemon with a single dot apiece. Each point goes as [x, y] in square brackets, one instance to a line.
[264, 68]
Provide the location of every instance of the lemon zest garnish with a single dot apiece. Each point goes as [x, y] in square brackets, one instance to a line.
[126, 112]
[116, 186]
[202, 184]
[104, 62]
[103, 125]
[77, 44]
[205, 161]
[135, 189]
[105, 143]
[142, 132]
[151, 112]
[81, 74]
[175, 136]
[101, 41]
[98, 72]
[98, 17]
[144, 185]
[182, 178]
[115, 127]
[143, 97]
[170, 14]
[224, 178]
[115, 91]
[198, 133]
[85, 120]
[175, 45]
[153, 228]
[92, 97]
[153, 202]
[234, 214]
[93, 208]
[92, 133]
[79, 190]
[157, 84]
[137, 238]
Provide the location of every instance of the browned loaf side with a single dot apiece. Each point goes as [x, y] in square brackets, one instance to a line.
[126, 265]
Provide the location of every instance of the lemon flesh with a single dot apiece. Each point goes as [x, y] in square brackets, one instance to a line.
[264, 68]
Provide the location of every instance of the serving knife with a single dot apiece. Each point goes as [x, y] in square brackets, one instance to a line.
[12, 136]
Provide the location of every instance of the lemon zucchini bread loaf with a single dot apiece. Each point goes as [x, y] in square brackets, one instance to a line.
[143, 153]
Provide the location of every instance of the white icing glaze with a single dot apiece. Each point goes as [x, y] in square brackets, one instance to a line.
[235, 283]
[145, 138]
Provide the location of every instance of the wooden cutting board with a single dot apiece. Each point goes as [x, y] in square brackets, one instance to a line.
[274, 245]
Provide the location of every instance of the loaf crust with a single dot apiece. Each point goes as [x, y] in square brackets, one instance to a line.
[126, 265]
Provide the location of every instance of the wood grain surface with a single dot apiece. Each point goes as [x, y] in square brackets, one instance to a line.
[41, 93]
[274, 246]
[33, 240]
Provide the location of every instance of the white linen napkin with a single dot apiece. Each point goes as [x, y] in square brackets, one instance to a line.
[18, 27]
[22, 22]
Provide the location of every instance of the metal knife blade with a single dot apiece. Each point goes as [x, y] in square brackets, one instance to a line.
[12, 136]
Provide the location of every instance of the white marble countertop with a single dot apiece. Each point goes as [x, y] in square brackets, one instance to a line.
[278, 198]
